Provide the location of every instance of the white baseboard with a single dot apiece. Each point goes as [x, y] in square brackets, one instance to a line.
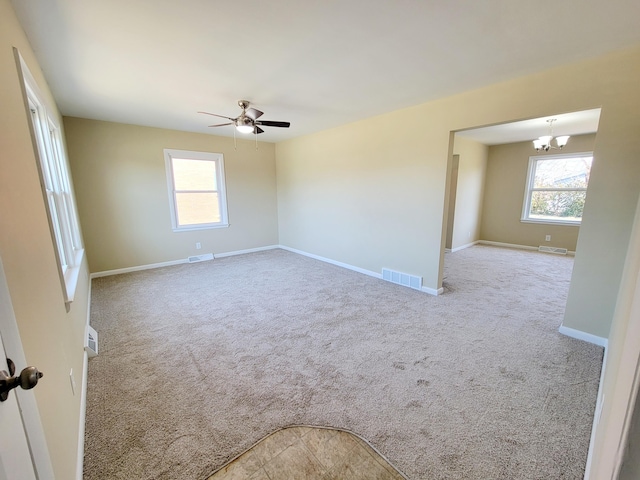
[580, 335]
[513, 245]
[83, 396]
[332, 262]
[138, 268]
[596, 417]
[249, 250]
[430, 291]
[150, 266]
[83, 417]
[433, 291]
[507, 245]
[462, 247]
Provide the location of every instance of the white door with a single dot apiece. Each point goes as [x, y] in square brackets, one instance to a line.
[23, 448]
[15, 458]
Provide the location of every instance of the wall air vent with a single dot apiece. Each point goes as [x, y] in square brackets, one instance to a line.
[91, 342]
[404, 279]
[559, 251]
[201, 258]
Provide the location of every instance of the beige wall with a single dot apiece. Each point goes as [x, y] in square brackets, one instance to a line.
[472, 168]
[380, 183]
[52, 338]
[620, 374]
[504, 195]
[361, 194]
[121, 187]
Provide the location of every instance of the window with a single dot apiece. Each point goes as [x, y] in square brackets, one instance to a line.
[56, 185]
[557, 188]
[196, 189]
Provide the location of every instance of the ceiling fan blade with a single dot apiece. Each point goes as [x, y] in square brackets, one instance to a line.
[257, 130]
[216, 115]
[220, 124]
[254, 113]
[272, 123]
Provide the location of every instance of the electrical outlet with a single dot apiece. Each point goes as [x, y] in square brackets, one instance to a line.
[547, 238]
[73, 382]
[198, 246]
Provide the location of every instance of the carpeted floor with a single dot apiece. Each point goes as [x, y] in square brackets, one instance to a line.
[198, 362]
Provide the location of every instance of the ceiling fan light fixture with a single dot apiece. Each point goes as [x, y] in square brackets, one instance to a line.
[244, 128]
[247, 121]
[244, 124]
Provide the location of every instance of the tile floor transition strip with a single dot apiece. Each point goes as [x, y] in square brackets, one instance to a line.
[312, 453]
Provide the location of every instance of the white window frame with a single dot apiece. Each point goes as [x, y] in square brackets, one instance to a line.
[55, 180]
[218, 159]
[529, 189]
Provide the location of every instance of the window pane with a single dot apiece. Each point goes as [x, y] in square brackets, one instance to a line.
[566, 206]
[42, 151]
[57, 161]
[563, 173]
[55, 222]
[197, 208]
[194, 174]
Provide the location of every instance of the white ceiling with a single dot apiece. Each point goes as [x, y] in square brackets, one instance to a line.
[315, 63]
[575, 123]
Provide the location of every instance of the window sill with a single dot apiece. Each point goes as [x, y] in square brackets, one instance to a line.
[71, 277]
[551, 222]
[203, 227]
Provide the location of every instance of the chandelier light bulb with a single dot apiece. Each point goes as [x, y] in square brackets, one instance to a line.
[544, 142]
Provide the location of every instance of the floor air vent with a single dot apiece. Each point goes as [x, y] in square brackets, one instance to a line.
[403, 279]
[559, 251]
[201, 258]
[91, 342]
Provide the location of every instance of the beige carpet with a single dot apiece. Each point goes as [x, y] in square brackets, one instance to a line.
[198, 362]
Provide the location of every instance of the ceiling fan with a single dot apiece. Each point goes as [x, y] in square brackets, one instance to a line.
[247, 121]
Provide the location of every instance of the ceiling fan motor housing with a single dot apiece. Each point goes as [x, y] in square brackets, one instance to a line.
[244, 120]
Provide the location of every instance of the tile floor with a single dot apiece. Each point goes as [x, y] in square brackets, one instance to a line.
[309, 453]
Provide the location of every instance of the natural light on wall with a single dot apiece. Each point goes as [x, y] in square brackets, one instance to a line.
[196, 189]
[196, 192]
[557, 188]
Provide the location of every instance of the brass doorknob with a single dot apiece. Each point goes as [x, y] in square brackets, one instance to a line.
[27, 379]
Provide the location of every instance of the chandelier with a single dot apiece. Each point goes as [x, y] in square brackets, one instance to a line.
[544, 142]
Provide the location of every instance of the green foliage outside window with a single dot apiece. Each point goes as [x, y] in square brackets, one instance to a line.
[559, 187]
[567, 205]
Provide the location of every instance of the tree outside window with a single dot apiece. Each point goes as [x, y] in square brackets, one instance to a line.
[557, 188]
